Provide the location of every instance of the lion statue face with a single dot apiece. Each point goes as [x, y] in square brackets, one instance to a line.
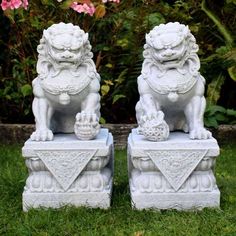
[170, 45]
[63, 46]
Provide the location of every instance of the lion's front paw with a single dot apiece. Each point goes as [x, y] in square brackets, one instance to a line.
[154, 127]
[42, 135]
[200, 133]
[153, 116]
[86, 126]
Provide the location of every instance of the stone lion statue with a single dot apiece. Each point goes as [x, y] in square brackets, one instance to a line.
[170, 86]
[66, 90]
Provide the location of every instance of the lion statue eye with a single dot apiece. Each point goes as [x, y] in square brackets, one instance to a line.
[57, 50]
[77, 50]
[157, 50]
[179, 47]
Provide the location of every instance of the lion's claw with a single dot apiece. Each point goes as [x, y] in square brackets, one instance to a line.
[154, 116]
[42, 135]
[86, 126]
[200, 133]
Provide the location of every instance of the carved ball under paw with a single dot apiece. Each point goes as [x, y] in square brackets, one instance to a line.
[155, 129]
[200, 133]
[42, 135]
[86, 126]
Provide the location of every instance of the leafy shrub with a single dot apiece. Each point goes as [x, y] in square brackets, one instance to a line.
[117, 38]
[215, 115]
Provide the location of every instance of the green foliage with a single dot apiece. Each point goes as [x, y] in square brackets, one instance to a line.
[120, 219]
[222, 29]
[117, 40]
[221, 63]
[215, 115]
[214, 89]
[222, 67]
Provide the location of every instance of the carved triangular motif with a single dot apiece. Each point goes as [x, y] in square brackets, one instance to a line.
[65, 165]
[176, 165]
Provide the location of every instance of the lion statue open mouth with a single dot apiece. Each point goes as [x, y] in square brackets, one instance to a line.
[170, 86]
[67, 87]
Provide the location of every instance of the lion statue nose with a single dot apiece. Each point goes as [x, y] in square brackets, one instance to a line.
[67, 55]
[168, 53]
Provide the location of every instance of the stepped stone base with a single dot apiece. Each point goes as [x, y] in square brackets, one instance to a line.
[172, 174]
[178, 201]
[68, 171]
[57, 200]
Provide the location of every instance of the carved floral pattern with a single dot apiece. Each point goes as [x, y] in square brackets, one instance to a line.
[155, 182]
[176, 165]
[65, 166]
[87, 181]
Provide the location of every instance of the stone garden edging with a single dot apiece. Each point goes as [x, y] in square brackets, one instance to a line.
[19, 133]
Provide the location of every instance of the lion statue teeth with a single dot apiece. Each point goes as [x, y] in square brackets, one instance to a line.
[170, 82]
[66, 90]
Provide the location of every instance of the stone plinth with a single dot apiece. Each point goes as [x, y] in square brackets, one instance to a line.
[68, 171]
[172, 174]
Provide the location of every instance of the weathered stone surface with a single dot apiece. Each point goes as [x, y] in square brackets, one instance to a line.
[15, 133]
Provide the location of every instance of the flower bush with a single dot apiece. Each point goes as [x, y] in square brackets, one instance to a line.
[14, 4]
[81, 6]
[117, 35]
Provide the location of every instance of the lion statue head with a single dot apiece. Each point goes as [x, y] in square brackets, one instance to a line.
[64, 46]
[169, 46]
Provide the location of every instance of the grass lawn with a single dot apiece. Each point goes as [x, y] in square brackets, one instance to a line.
[120, 219]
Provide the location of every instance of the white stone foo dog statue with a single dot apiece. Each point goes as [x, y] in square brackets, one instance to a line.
[177, 172]
[71, 169]
[170, 85]
[67, 87]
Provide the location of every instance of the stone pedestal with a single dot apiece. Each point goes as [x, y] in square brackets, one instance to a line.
[172, 174]
[68, 171]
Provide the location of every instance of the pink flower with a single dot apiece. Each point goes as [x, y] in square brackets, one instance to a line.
[90, 9]
[86, 8]
[25, 4]
[77, 7]
[5, 5]
[14, 4]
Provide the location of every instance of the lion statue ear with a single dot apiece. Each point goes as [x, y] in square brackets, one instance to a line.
[148, 39]
[85, 38]
[186, 30]
[45, 34]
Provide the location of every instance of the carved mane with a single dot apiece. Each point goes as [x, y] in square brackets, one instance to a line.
[46, 62]
[152, 41]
